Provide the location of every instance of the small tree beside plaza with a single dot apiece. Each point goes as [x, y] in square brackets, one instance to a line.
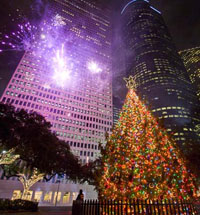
[140, 160]
[27, 176]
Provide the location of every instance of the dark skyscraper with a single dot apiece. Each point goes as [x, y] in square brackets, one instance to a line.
[191, 59]
[116, 109]
[162, 80]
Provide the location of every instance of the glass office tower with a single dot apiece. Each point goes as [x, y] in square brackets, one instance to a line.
[79, 110]
[191, 59]
[162, 80]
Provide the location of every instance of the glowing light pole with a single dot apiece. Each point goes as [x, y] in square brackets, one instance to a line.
[56, 201]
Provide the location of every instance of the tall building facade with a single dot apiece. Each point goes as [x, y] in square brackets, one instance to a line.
[80, 111]
[162, 80]
[117, 105]
[191, 59]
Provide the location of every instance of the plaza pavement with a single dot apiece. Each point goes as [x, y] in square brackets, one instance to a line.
[44, 211]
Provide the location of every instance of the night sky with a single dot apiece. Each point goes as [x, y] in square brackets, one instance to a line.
[182, 18]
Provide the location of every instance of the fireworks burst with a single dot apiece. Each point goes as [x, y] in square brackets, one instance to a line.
[58, 21]
[43, 42]
[94, 67]
[20, 40]
[61, 67]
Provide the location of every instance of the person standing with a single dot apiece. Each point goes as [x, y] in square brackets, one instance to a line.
[80, 196]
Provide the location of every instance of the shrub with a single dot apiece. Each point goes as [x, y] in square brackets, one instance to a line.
[18, 204]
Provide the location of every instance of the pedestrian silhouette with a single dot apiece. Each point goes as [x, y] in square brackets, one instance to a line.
[80, 196]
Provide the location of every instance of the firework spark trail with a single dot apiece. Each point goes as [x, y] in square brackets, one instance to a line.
[26, 35]
[62, 70]
[43, 42]
[20, 40]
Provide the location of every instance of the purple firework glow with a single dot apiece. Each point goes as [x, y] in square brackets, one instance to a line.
[62, 70]
[20, 40]
[43, 41]
[58, 21]
[94, 67]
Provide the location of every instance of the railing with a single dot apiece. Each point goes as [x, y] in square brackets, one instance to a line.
[133, 207]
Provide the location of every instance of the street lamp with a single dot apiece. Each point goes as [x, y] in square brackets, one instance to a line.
[57, 181]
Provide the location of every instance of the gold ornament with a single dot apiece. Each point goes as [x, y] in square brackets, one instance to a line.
[123, 167]
[151, 185]
[131, 82]
[173, 195]
[157, 186]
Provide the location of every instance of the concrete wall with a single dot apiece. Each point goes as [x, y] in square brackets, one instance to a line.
[7, 187]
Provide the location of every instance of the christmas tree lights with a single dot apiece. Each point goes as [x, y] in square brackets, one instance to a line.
[8, 157]
[140, 160]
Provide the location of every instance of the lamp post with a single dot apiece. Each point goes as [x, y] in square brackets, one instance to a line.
[58, 181]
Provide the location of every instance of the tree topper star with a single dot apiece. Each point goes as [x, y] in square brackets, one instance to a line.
[131, 82]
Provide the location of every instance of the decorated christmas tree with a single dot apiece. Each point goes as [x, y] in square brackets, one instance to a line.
[140, 160]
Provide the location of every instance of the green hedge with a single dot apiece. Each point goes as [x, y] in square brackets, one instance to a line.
[18, 204]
